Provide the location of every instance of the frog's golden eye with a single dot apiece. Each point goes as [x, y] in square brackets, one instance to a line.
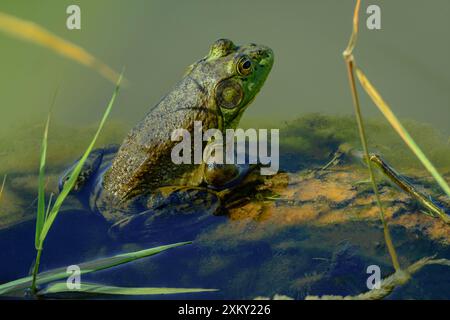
[229, 94]
[244, 66]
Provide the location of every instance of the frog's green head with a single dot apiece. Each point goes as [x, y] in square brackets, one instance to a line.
[232, 76]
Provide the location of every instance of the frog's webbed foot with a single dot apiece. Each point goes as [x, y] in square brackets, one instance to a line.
[177, 216]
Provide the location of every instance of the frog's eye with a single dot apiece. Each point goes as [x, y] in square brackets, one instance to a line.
[244, 66]
[229, 94]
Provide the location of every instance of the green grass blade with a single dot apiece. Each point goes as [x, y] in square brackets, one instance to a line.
[87, 267]
[40, 217]
[98, 289]
[68, 186]
[401, 131]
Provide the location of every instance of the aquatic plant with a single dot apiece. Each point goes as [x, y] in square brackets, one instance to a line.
[401, 275]
[18, 286]
[44, 220]
[383, 107]
[402, 132]
[92, 288]
[348, 56]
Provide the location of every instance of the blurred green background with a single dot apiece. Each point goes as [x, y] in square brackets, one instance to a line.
[408, 60]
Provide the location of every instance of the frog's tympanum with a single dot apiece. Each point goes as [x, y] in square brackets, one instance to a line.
[130, 185]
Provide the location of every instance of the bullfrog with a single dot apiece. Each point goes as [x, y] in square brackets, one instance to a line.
[136, 185]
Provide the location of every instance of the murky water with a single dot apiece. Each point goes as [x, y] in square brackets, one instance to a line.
[295, 260]
[321, 244]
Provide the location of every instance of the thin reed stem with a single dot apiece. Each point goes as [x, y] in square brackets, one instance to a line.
[350, 62]
[362, 134]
